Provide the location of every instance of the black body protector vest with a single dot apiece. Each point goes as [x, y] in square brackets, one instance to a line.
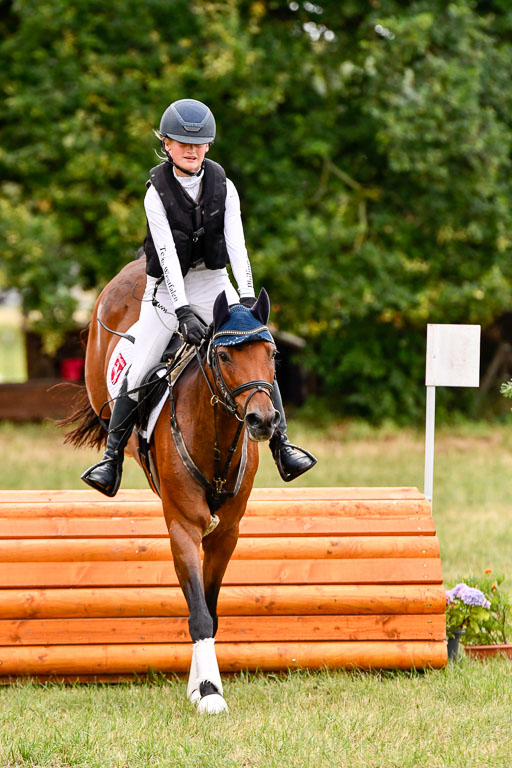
[197, 228]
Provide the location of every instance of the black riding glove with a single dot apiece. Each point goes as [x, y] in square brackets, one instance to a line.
[191, 327]
[248, 301]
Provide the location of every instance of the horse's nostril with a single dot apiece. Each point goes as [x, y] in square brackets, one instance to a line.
[254, 420]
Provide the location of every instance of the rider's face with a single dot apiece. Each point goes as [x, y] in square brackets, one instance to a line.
[188, 156]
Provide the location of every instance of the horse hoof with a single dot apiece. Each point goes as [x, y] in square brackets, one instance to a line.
[195, 697]
[212, 704]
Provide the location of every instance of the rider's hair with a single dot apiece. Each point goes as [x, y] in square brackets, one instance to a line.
[161, 155]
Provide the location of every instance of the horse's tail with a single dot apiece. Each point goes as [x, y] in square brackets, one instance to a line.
[90, 430]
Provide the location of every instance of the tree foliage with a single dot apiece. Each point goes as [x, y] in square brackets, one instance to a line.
[370, 143]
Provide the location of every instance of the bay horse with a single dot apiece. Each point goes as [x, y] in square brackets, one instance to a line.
[224, 392]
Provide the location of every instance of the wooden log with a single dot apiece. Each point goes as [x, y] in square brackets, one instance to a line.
[243, 600]
[82, 527]
[257, 494]
[231, 629]
[295, 508]
[233, 657]
[79, 508]
[368, 508]
[336, 547]
[250, 525]
[351, 654]
[271, 548]
[84, 550]
[130, 573]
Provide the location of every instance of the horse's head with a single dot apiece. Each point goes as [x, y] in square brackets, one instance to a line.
[242, 357]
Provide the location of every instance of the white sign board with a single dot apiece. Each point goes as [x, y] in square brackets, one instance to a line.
[453, 356]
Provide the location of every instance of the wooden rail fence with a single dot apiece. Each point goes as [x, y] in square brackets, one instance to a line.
[339, 577]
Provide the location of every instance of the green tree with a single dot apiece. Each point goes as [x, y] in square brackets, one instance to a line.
[370, 144]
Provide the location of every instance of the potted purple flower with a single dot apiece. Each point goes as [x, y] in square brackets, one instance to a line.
[466, 609]
[494, 633]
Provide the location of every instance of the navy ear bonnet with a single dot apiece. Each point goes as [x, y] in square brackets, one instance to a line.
[240, 327]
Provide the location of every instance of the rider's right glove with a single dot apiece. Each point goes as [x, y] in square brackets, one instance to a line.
[191, 327]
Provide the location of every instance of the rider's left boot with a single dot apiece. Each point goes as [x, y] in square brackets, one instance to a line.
[105, 476]
[291, 460]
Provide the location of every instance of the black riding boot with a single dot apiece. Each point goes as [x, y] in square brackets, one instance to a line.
[105, 476]
[291, 460]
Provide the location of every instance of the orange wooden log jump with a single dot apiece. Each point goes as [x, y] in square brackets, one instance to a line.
[320, 577]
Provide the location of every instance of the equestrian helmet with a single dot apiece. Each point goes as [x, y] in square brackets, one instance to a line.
[188, 121]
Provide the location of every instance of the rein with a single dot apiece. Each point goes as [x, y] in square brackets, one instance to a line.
[216, 494]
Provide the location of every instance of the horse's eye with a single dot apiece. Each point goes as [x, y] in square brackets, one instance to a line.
[223, 357]
[274, 354]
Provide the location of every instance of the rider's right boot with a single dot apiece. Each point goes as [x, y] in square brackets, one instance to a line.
[105, 476]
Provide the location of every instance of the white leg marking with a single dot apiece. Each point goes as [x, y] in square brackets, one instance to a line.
[206, 662]
[212, 705]
[207, 669]
[193, 686]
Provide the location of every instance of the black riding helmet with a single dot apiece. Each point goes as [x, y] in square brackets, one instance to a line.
[189, 121]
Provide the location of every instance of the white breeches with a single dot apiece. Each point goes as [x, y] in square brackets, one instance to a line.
[158, 323]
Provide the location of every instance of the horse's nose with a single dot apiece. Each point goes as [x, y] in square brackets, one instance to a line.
[261, 425]
[254, 420]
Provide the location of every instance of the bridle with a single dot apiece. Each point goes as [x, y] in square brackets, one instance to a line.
[227, 396]
[222, 395]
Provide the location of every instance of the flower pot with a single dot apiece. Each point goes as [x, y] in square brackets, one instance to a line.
[453, 644]
[486, 651]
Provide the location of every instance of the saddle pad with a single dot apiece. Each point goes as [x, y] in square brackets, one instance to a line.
[120, 361]
[118, 366]
[146, 430]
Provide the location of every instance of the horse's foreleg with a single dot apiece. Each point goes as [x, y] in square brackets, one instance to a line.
[205, 686]
[218, 549]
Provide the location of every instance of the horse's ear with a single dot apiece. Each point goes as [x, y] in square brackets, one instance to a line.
[220, 311]
[261, 310]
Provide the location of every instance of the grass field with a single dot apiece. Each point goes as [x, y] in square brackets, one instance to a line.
[457, 717]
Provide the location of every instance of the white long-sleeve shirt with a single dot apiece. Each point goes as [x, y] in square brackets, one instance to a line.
[166, 249]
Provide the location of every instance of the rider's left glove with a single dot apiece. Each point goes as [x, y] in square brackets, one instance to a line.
[191, 327]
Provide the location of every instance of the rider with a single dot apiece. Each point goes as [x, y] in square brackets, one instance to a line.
[194, 228]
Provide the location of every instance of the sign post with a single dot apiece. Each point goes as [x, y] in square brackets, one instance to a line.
[453, 360]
